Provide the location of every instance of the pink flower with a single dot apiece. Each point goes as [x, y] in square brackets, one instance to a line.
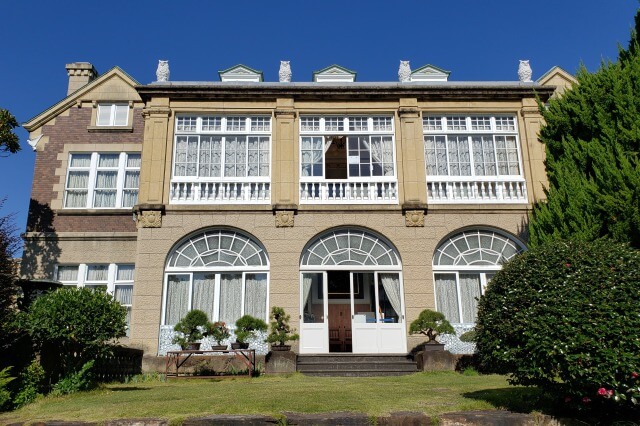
[567, 265]
[586, 400]
[634, 375]
[602, 391]
[609, 393]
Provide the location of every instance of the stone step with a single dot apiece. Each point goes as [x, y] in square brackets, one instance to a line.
[356, 373]
[355, 365]
[354, 358]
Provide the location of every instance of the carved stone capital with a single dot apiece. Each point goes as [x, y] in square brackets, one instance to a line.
[157, 111]
[528, 111]
[408, 112]
[285, 113]
[284, 218]
[414, 218]
[149, 219]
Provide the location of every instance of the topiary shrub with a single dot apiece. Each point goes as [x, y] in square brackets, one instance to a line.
[191, 328]
[431, 323]
[281, 331]
[247, 327]
[565, 317]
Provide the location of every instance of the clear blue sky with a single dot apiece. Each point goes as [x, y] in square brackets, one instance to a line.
[475, 40]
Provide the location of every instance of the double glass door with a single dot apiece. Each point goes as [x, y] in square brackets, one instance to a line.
[352, 311]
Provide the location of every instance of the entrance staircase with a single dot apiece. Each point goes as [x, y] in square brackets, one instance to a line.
[355, 365]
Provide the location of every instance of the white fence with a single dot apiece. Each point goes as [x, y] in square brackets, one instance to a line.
[220, 192]
[496, 190]
[338, 191]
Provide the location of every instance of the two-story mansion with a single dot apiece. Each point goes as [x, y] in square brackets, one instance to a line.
[353, 205]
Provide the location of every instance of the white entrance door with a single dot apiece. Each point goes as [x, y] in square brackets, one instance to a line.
[380, 328]
[314, 329]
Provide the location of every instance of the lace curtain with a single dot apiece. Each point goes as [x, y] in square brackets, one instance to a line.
[459, 158]
[204, 285]
[186, 156]
[447, 296]
[436, 155]
[105, 193]
[67, 273]
[132, 181]
[77, 184]
[235, 156]
[391, 285]
[230, 297]
[469, 293]
[382, 154]
[210, 156]
[177, 298]
[484, 159]
[312, 153]
[255, 295]
[258, 159]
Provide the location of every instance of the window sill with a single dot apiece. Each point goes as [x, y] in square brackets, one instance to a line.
[110, 129]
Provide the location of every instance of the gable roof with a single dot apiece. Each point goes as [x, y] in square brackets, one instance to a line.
[430, 73]
[73, 98]
[558, 77]
[334, 73]
[240, 72]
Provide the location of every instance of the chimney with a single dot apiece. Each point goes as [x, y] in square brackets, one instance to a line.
[80, 74]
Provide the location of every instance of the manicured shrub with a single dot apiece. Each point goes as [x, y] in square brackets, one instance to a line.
[72, 326]
[247, 327]
[191, 328]
[431, 324]
[281, 331]
[565, 317]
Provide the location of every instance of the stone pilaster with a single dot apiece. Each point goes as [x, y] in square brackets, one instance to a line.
[410, 149]
[533, 151]
[285, 154]
[156, 153]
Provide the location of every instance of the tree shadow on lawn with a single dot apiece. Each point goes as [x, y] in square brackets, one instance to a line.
[126, 389]
[516, 399]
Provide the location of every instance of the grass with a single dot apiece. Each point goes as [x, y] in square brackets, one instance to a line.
[174, 400]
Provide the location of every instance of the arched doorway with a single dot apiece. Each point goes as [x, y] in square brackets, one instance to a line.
[351, 294]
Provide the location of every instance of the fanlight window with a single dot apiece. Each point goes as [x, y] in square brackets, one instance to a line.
[220, 248]
[463, 266]
[476, 247]
[350, 247]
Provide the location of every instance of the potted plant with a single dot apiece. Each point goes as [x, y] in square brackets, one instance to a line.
[193, 327]
[281, 331]
[431, 324]
[246, 328]
[219, 333]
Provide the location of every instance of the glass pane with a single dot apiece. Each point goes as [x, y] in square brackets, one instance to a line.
[123, 294]
[97, 272]
[230, 297]
[133, 160]
[122, 114]
[255, 295]
[80, 160]
[108, 160]
[204, 292]
[68, 273]
[447, 297]
[125, 273]
[389, 298]
[469, 293]
[312, 298]
[177, 298]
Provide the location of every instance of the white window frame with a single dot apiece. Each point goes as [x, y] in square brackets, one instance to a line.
[93, 169]
[362, 125]
[236, 125]
[113, 109]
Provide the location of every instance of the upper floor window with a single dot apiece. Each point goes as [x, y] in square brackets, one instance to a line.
[222, 147]
[112, 115]
[115, 279]
[102, 180]
[471, 146]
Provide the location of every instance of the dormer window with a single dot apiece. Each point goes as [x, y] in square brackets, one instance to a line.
[334, 74]
[112, 115]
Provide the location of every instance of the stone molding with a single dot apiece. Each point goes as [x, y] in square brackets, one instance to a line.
[284, 218]
[161, 111]
[529, 111]
[285, 113]
[149, 219]
[409, 112]
[414, 218]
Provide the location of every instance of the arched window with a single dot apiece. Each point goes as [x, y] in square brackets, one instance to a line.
[349, 247]
[463, 265]
[221, 272]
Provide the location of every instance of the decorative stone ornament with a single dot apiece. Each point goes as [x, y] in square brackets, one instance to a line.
[285, 72]
[524, 71]
[404, 72]
[414, 218]
[162, 73]
[149, 219]
[284, 219]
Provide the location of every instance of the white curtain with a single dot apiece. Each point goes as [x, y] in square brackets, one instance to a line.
[68, 273]
[177, 298]
[106, 195]
[469, 293]
[255, 295]
[447, 297]
[391, 284]
[78, 183]
[312, 153]
[235, 156]
[108, 160]
[186, 156]
[123, 294]
[258, 160]
[133, 160]
[80, 160]
[230, 297]
[97, 272]
[204, 285]
[210, 156]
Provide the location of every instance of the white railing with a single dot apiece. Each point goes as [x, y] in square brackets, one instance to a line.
[340, 191]
[220, 192]
[460, 190]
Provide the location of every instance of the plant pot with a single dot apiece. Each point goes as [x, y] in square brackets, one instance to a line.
[193, 346]
[282, 348]
[218, 347]
[238, 345]
[433, 346]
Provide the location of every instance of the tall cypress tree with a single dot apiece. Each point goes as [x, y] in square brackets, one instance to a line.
[592, 137]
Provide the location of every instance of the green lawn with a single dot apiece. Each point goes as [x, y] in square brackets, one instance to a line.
[431, 393]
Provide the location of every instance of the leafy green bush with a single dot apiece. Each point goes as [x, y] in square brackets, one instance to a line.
[191, 328]
[247, 327]
[5, 394]
[281, 331]
[469, 336]
[80, 380]
[72, 326]
[565, 317]
[31, 384]
[431, 323]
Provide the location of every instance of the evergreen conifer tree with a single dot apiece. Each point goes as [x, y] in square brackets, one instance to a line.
[592, 137]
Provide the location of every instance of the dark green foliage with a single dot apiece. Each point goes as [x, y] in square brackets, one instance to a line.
[431, 323]
[9, 142]
[191, 328]
[219, 332]
[32, 384]
[281, 331]
[247, 327]
[469, 336]
[74, 325]
[592, 137]
[81, 380]
[9, 243]
[565, 317]
[5, 394]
